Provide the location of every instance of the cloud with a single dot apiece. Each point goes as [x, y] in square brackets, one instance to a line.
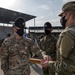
[41, 17]
[64, 1]
[54, 22]
[50, 2]
[46, 7]
[41, 20]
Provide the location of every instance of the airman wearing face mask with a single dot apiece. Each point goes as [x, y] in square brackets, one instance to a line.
[65, 62]
[19, 26]
[48, 44]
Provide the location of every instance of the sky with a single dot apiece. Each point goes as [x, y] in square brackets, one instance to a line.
[45, 10]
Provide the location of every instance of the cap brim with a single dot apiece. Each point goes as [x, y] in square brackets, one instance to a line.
[61, 13]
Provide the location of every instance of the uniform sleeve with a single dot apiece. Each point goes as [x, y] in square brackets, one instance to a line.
[40, 43]
[4, 50]
[66, 45]
[36, 50]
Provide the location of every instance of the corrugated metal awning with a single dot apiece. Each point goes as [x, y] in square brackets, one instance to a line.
[8, 16]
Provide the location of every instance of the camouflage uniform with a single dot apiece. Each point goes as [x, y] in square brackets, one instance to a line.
[48, 44]
[65, 64]
[15, 56]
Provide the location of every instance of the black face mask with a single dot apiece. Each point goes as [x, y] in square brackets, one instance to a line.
[63, 21]
[47, 32]
[20, 32]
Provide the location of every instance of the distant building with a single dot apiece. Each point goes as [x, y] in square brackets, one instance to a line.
[40, 30]
[4, 30]
[8, 17]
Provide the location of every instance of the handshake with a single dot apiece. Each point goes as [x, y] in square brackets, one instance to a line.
[43, 62]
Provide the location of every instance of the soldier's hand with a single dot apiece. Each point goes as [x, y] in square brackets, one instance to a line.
[44, 63]
[47, 58]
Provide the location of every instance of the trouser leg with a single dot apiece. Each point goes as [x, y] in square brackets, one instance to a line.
[47, 71]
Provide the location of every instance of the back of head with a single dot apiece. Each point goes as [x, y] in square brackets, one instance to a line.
[47, 25]
[48, 28]
[20, 22]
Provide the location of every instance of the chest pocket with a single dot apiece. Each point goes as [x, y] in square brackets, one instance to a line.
[22, 48]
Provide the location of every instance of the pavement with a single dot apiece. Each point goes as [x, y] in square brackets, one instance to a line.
[36, 69]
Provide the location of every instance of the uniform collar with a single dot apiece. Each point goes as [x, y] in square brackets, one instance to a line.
[73, 25]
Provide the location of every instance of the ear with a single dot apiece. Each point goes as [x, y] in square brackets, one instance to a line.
[67, 15]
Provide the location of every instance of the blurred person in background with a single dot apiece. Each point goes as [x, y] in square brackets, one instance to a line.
[48, 44]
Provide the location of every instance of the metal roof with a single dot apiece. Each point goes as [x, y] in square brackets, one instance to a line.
[7, 16]
[42, 27]
[40, 30]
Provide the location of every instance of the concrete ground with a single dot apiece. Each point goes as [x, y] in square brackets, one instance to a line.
[36, 69]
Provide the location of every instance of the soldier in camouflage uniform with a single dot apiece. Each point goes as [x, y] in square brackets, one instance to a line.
[15, 51]
[48, 44]
[65, 63]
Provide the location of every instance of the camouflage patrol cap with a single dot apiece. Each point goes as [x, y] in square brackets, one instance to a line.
[20, 22]
[70, 6]
[47, 25]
